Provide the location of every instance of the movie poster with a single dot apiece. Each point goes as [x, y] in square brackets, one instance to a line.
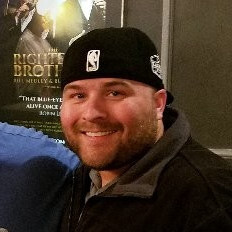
[34, 37]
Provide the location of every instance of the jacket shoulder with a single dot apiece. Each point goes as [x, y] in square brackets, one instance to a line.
[203, 175]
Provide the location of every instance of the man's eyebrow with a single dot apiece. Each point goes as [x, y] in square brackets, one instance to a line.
[72, 87]
[107, 84]
[116, 83]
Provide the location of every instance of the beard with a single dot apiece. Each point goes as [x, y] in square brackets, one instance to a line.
[139, 139]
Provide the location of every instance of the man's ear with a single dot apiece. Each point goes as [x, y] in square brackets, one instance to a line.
[160, 97]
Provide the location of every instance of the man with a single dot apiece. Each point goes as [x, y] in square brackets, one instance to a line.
[11, 23]
[84, 15]
[33, 41]
[35, 173]
[141, 169]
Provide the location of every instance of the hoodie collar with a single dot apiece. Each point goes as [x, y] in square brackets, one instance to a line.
[141, 179]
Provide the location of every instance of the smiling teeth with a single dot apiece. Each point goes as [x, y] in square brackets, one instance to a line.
[97, 134]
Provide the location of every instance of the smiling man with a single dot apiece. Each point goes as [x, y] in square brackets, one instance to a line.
[141, 169]
[104, 120]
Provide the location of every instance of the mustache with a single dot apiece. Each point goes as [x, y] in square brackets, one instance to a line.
[99, 126]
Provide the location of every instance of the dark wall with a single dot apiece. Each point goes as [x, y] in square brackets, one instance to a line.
[113, 13]
[145, 15]
[201, 74]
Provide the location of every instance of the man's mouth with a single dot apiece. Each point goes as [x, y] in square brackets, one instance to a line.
[98, 134]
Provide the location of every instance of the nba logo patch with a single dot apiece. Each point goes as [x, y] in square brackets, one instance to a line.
[92, 63]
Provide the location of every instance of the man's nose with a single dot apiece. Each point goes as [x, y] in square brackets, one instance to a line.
[95, 109]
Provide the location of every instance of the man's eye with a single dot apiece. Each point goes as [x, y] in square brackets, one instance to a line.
[79, 95]
[76, 95]
[114, 93]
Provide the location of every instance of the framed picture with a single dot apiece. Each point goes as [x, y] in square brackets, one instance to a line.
[35, 35]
